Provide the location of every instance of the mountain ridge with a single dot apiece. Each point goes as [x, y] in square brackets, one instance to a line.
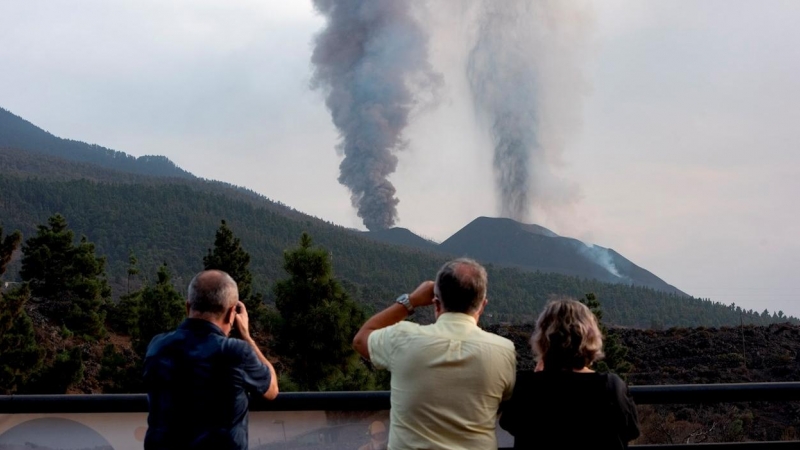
[18, 133]
[521, 243]
[401, 236]
[532, 247]
[173, 220]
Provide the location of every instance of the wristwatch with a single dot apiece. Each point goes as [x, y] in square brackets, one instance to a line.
[406, 302]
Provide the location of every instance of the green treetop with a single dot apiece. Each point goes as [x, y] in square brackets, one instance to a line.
[229, 257]
[133, 270]
[614, 350]
[20, 355]
[162, 309]
[7, 247]
[319, 322]
[68, 278]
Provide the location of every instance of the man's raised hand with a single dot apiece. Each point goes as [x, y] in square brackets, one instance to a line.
[242, 321]
[422, 295]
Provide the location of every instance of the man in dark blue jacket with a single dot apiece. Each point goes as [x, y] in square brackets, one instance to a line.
[198, 379]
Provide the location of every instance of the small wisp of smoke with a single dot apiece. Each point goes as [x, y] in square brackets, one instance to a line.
[602, 257]
[371, 60]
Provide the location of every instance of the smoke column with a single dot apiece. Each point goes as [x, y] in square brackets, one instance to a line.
[524, 74]
[370, 59]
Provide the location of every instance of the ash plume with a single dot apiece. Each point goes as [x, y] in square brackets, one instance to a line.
[371, 61]
[524, 72]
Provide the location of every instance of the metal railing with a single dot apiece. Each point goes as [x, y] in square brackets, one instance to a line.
[379, 401]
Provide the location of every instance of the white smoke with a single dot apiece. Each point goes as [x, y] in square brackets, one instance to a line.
[602, 257]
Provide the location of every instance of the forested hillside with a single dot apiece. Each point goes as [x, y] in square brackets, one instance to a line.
[501, 241]
[172, 223]
[160, 213]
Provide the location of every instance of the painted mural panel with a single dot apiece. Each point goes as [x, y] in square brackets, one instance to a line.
[269, 430]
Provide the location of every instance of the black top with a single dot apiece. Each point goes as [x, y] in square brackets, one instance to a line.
[555, 409]
[197, 382]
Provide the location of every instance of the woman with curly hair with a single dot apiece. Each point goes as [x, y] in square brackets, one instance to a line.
[563, 403]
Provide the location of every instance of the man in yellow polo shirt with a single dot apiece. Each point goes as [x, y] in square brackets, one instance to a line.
[448, 378]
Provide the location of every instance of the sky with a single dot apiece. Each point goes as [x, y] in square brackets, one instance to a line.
[680, 155]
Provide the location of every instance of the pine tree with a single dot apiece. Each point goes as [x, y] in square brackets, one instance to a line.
[20, 355]
[68, 278]
[124, 316]
[133, 270]
[319, 322]
[67, 369]
[614, 350]
[7, 247]
[120, 372]
[229, 257]
[46, 264]
[162, 309]
[141, 314]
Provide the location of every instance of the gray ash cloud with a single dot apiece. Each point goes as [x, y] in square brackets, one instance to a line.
[525, 74]
[371, 61]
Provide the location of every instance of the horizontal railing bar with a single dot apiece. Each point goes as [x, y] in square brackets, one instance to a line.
[764, 445]
[79, 403]
[379, 400]
[716, 393]
[326, 401]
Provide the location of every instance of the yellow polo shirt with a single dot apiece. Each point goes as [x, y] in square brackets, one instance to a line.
[448, 380]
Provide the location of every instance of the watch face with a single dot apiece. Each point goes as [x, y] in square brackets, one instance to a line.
[403, 300]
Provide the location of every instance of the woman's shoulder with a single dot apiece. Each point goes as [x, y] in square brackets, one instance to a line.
[617, 384]
[614, 381]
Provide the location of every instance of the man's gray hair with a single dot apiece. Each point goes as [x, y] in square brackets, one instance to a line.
[212, 291]
[461, 285]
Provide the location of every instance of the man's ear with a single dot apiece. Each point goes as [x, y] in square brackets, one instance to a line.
[230, 315]
[437, 305]
[483, 305]
[188, 308]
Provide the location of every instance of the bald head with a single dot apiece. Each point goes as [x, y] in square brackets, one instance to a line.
[461, 286]
[212, 292]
